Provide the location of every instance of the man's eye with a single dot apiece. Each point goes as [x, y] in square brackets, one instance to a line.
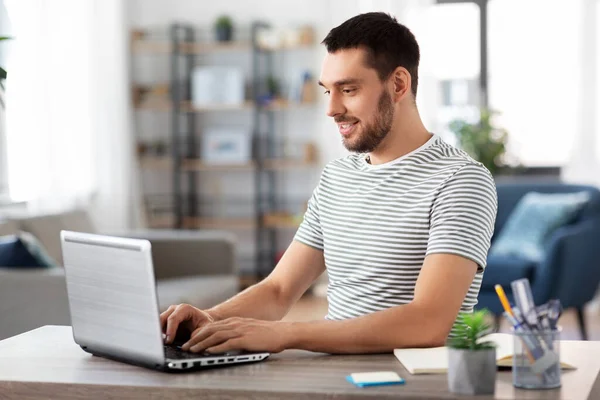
[347, 91]
[326, 92]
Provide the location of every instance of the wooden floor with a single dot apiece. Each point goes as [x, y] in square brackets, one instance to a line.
[314, 308]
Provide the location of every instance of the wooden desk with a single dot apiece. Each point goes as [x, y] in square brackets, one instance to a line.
[46, 363]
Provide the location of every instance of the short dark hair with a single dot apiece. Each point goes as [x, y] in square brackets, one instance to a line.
[389, 44]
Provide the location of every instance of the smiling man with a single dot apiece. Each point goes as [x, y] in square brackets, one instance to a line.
[402, 226]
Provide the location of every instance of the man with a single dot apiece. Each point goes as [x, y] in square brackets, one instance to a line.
[402, 227]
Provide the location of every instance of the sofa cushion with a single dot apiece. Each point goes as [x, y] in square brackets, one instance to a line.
[77, 220]
[9, 227]
[505, 269]
[533, 220]
[14, 253]
[37, 250]
[46, 229]
[201, 291]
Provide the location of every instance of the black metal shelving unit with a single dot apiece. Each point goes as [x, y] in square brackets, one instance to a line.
[264, 148]
[186, 206]
[183, 125]
[180, 92]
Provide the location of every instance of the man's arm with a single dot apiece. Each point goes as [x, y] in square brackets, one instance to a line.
[272, 298]
[268, 300]
[442, 285]
[440, 290]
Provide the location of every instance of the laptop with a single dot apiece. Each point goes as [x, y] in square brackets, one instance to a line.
[114, 307]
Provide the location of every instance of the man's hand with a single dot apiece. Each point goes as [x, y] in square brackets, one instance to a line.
[239, 334]
[183, 316]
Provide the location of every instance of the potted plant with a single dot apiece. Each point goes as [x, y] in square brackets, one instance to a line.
[2, 74]
[471, 361]
[224, 28]
[482, 140]
[273, 87]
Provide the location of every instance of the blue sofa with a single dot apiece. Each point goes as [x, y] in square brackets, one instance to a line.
[570, 269]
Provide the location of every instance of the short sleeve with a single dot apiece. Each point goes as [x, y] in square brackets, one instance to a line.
[310, 232]
[463, 215]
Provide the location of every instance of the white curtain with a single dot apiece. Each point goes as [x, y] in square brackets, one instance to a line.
[117, 204]
[584, 161]
[49, 132]
[68, 117]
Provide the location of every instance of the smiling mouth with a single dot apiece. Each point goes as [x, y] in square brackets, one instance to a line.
[347, 128]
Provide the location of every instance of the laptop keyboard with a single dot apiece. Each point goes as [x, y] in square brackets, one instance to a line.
[174, 352]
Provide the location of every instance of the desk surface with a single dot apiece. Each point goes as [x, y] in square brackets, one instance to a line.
[46, 363]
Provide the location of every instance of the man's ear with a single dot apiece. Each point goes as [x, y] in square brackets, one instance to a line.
[401, 81]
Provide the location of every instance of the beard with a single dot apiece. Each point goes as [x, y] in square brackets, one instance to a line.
[372, 134]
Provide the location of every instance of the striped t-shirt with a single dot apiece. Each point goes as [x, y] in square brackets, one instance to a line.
[376, 223]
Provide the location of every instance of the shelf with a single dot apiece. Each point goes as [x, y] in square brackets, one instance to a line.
[161, 222]
[285, 105]
[199, 48]
[280, 220]
[165, 47]
[165, 105]
[274, 221]
[218, 223]
[186, 106]
[150, 46]
[198, 165]
[155, 105]
[165, 163]
[288, 164]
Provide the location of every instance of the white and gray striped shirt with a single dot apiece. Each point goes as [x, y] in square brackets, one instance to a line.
[376, 223]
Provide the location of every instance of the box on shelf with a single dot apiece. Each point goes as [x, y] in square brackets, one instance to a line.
[215, 85]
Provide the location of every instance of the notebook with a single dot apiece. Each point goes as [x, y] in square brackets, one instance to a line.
[435, 360]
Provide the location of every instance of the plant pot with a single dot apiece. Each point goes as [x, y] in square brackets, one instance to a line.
[472, 371]
[223, 33]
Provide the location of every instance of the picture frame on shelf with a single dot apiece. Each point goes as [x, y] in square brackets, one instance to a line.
[226, 146]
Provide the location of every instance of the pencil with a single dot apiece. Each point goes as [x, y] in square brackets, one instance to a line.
[504, 300]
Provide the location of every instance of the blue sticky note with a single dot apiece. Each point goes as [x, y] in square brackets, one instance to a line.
[364, 379]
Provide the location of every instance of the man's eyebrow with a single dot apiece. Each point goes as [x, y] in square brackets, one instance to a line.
[342, 82]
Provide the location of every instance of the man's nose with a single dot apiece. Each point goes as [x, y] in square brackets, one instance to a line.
[335, 106]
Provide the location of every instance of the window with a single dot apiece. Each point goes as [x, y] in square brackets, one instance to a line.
[535, 64]
[453, 47]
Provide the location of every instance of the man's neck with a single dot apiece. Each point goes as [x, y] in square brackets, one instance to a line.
[404, 137]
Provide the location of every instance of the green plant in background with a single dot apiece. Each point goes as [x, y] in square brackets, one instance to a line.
[224, 22]
[482, 140]
[469, 329]
[2, 70]
[2, 75]
[224, 28]
[273, 88]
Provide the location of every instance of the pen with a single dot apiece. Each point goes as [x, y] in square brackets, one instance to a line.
[524, 300]
[534, 351]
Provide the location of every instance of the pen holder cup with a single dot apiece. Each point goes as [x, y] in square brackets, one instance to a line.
[536, 359]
